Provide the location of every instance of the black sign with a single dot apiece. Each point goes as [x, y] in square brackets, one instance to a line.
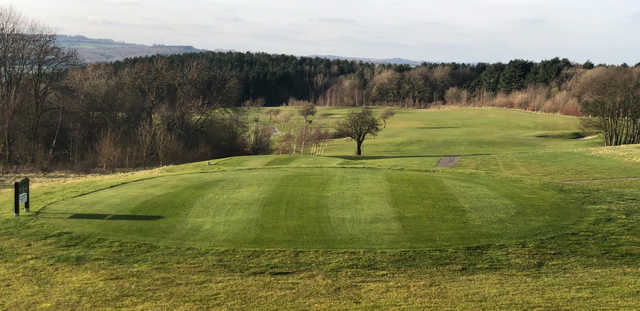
[22, 196]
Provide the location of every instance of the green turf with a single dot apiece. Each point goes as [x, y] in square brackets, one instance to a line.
[468, 132]
[314, 208]
[505, 229]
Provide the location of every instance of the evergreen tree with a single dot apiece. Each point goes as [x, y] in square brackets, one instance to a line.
[588, 65]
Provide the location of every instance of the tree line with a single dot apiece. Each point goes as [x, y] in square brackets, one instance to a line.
[232, 79]
[275, 79]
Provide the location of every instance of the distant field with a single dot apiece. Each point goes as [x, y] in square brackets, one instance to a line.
[532, 216]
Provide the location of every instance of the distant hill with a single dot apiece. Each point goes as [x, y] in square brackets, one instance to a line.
[391, 61]
[107, 50]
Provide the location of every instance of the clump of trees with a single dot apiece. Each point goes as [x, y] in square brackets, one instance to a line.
[307, 112]
[32, 70]
[58, 114]
[443, 83]
[357, 126]
[275, 80]
[155, 112]
[260, 138]
[302, 135]
[610, 98]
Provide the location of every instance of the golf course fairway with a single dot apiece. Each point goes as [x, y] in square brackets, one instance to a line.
[319, 208]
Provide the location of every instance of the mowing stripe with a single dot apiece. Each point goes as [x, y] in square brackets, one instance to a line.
[429, 213]
[176, 205]
[281, 161]
[226, 217]
[361, 216]
[295, 212]
[491, 209]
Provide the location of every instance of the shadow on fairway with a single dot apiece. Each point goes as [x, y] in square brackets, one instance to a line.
[84, 216]
[571, 135]
[365, 158]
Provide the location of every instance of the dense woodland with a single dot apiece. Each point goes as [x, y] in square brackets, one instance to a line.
[142, 112]
[275, 79]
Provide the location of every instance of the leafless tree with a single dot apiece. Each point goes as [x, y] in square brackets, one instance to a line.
[610, 97]
[31, 66]
[357, 126]
[14, 68]
[387, 113]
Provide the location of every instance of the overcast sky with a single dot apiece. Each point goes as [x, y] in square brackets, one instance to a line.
[432, 30]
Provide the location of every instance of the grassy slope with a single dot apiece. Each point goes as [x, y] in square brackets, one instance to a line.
[592, 264]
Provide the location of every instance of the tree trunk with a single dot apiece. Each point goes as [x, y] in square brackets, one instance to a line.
[7, 142]
[304, 135]
[359, 148]
[55, 136]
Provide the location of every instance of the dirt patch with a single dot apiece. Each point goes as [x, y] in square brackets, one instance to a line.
[590, 137]
[448, 162]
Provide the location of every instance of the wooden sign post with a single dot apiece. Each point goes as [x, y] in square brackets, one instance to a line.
[21, 196]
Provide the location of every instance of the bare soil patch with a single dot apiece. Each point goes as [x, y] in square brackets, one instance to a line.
[448, 162]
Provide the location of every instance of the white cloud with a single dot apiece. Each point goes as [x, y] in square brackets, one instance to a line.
[453, 30]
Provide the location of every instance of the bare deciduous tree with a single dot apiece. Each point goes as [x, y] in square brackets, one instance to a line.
[273, 114]
[29, 60]
[307, 112]
[387, 113]
[14, 67]
[358, 125]
[611, 97]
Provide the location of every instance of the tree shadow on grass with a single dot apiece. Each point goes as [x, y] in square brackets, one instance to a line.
[93, 216]
[365, 158]
[571, 135]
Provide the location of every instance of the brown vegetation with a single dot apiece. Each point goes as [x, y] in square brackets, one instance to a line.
[611, 97]
[56, 114]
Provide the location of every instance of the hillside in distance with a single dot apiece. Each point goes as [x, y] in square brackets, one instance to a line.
[381, 61]
[107, 50]
[93, 50]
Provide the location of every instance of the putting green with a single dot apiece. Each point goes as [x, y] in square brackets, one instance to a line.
[319, 208]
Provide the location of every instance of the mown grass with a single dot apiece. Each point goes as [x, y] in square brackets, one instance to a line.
[320, 208]
[387, 231]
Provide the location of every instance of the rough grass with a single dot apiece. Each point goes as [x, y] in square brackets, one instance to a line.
[387, 231]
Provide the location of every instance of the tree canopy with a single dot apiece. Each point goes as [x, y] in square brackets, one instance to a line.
[357, 125]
